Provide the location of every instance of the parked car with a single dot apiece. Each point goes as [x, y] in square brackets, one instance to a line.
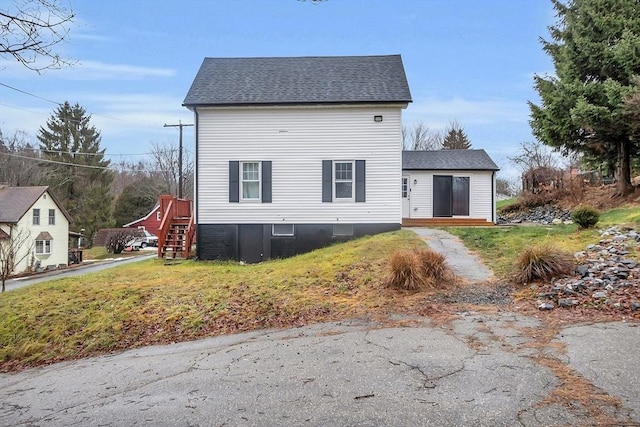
[148, 239]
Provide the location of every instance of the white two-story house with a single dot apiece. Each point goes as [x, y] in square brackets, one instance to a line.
[35, 219]
[295, 153]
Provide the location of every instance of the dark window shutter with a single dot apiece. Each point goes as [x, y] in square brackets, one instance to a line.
[234, 185]
[327, 181]
[266, 181]
[361, 181]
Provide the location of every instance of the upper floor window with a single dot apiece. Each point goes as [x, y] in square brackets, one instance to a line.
[52, 217]
[36, 217]
[250, 180]
[343, 180]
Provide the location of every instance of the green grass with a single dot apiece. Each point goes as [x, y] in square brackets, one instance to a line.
[149, 302]
[621, 216]
[500, 246]
[506, 202]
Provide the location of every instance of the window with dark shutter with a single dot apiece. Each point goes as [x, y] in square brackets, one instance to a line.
[234, 181]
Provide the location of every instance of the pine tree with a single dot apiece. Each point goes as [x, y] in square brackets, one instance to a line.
[78, 174]
[595, 48]
[455, 138]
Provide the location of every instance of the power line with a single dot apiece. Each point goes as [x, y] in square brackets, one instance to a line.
[30, 94]
[37, 159]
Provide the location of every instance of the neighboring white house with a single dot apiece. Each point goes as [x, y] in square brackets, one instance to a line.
[295, 153]
[35, 213]
[457, 184]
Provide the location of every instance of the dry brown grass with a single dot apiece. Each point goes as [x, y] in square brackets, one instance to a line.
[419, 269]
[543, 262]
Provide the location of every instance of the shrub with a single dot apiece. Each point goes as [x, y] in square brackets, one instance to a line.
[419, 269]
[586, 217]
[543, 262]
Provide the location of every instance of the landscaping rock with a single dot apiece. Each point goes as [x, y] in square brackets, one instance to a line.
[604, 278]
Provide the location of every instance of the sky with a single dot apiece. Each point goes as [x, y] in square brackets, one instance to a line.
[469, 61]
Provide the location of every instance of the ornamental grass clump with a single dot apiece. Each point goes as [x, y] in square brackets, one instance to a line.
[543, 262]
[419, 269]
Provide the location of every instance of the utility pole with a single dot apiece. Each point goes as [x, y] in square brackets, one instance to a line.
[179, 125]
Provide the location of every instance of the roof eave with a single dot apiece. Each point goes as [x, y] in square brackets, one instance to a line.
[293, 104]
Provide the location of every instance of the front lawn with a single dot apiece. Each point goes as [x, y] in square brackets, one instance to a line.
[151, 302]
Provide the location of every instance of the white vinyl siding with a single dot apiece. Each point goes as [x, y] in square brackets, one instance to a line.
[297, 140]
[481, 203]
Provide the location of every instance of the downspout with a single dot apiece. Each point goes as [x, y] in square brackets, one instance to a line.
[493, 197]
[195, 181]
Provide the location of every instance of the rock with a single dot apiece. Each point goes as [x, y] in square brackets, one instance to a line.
[635, 305]
[546, 306]
[556, 221]
[582, 270]
[599, 295]
[565, 302]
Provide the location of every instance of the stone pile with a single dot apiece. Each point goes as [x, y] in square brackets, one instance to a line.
[547, 214]
[606, 277]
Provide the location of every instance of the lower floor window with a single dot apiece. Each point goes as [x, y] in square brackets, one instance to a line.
[343, 229]
[282, 230]
[43, 247]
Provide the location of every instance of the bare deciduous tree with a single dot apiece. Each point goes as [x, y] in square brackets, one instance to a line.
[535, 155]
[420, 137]
[15, 247]
[16, 165]
[165, 165]
[30, 29]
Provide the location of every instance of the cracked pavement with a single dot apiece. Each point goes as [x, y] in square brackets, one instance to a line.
[478, 370]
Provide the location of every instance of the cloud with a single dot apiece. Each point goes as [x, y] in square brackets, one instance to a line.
[90, 70]
[437, 113]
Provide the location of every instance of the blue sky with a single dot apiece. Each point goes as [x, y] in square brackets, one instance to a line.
[471, 61]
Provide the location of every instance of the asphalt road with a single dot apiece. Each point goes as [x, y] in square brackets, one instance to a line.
[475, 370]
[479, 370]
[74, 271]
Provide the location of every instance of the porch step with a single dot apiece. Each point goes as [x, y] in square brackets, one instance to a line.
[175, 244]
[445, 222]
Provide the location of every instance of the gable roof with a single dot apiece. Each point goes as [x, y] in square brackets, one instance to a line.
[299, 80]
[448, 160]
[16, 201]
[155, 208]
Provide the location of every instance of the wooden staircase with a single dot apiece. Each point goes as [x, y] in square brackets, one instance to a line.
[177, 228]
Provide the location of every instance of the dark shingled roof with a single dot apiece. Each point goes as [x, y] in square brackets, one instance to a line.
[448, 160]
[16, 201]
[299, 80]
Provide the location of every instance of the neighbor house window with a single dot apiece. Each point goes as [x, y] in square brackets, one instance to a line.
[52, 217]
[282, 230]
[343, 180]
[250, 181]
[36, 217]
[405, 187]
[43, 247]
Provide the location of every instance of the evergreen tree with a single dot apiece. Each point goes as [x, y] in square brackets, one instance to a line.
[78, 174]
[595, 48]
[136, 200]
[455, 138]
